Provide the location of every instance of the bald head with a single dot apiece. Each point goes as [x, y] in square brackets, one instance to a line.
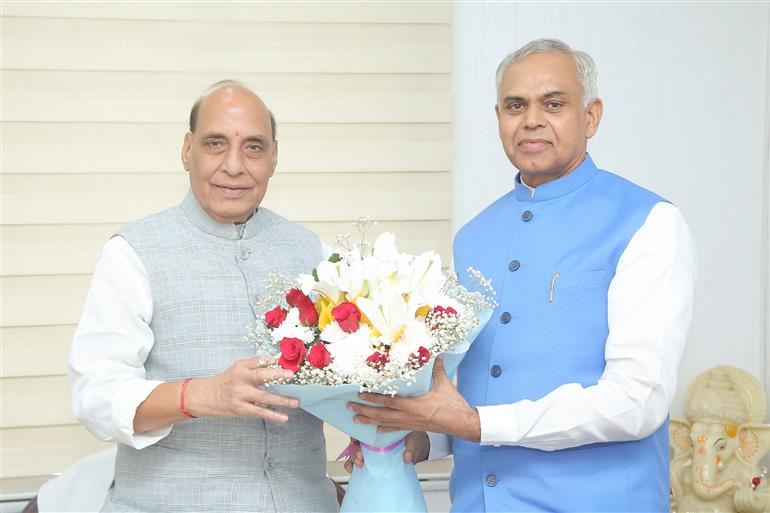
[230, 88]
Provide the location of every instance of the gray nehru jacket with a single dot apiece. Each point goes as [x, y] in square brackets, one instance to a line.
[205, 278]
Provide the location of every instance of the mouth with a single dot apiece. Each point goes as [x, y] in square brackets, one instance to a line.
[231, 191]
[533, 145]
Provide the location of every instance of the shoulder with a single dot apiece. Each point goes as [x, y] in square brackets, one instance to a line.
[281, 226]
[622, 187]
[148, 227]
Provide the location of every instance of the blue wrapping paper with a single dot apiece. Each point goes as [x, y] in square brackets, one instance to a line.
[385, 483]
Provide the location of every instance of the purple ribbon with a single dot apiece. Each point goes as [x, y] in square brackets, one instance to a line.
[354, 444]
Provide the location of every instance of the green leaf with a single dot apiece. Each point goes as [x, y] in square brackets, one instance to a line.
[315, 274]
[334, 258]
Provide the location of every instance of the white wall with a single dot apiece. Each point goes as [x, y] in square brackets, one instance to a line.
[686, 114]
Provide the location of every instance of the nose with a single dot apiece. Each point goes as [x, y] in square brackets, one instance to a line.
[233, 163]
[534, 118]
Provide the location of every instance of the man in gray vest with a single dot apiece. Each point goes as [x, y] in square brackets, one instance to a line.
[160, 362]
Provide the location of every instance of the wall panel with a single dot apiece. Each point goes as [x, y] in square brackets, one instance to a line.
[95, 101]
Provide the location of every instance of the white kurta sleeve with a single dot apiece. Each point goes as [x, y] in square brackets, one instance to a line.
[649, 312]
[110, 347]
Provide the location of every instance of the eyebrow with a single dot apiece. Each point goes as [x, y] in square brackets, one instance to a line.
[546, 96]
[251, 138]
[554, 93]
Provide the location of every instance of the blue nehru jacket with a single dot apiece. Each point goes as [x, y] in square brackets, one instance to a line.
[551, 258]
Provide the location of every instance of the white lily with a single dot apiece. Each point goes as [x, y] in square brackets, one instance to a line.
[389, 311]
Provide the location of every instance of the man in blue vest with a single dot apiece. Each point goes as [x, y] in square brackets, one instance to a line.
[562, 401]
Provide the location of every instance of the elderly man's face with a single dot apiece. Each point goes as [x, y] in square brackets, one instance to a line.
[543, 124]
[232, 154]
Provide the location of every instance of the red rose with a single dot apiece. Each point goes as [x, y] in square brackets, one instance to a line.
[419, 358]
[296, 296]
[378, 360]
[347, 316]
[307, 312]
[275, 317]
[446, 312]
[318, 356]
[292, 353]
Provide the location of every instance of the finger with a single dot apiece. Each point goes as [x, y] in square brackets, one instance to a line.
[348, 466]
[408, 456]
[385, 429]
[265, 375]
[384, 400]
[363, 419]
[265, 413]
[276, 400]
[438, 369]
[372, 412]
[264, 360]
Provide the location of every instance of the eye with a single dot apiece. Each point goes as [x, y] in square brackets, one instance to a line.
[721, 444]
[253, 147]
[515, 106]
[215, 144]
[553, 105]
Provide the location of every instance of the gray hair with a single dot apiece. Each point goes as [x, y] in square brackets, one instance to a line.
[586, 68]
[226, 83]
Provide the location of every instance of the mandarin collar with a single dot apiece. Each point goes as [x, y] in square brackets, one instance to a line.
[559, 187]
[231, 231]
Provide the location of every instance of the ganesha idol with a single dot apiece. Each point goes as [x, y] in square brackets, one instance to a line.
[717, 449]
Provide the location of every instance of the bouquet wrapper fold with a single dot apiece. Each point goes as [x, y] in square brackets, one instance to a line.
[384, 483]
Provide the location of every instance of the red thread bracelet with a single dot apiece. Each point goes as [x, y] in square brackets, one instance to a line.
[181, 407]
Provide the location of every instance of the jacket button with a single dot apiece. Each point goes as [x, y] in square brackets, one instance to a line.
[526, 216]
[244, 254]
[496, 371]
[514, 265]
[491, 480]
[505, 318]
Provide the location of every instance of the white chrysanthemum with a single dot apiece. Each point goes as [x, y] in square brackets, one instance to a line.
[349, 351]
[415, 335]
[292, 328]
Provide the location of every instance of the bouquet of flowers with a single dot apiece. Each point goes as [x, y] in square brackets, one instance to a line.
[378, 320]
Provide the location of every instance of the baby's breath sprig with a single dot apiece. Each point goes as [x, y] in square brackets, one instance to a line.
[276, 288]
[363, 224]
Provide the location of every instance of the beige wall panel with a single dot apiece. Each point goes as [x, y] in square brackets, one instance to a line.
[324, 12]
[93, 96]
[95, 101]
[34, 402]
[120, 198]
[52, 249]
[44, 450]
[336, 441]
[75, 249]
[35, 350]
[147, 148]
[43, 300]
[159, 45]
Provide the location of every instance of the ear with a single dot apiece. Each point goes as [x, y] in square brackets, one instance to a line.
[594, 113]
[186, 145]
[275, 157]
[679, 437]
[753, 441]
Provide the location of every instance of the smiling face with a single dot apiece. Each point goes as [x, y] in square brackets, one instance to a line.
[543, 124]
[231, 155]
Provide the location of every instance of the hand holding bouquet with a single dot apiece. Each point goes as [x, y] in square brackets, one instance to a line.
[379, 319]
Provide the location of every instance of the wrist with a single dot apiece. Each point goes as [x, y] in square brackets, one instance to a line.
[194, 398]
[474, 426]
[181, 404]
